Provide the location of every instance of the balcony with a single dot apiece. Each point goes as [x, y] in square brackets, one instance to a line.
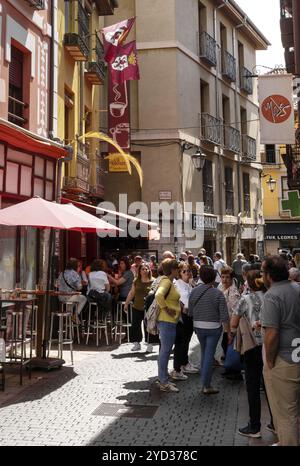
[289, 56]
[246, 83]
[232, 139]
[96, 68]
[106, 7]
[16, 111]
[249, 149]
[76, 39]
[37, 4]
[79, 183]
[97, 191]
[211, 129]
[208, 49]
[228, 66]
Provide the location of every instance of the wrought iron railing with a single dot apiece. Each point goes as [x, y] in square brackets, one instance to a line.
[77, 34]
[228, 66]
[37, 4]
[16, 111]
[246, 83]
[208, 48]
[249, 148]
[208, 199]
[211, 128]
[232, 139]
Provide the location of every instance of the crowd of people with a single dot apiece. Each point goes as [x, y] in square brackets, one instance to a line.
[251, 308]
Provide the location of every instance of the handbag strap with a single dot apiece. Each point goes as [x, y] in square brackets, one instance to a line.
[68, 284]
[202, 294]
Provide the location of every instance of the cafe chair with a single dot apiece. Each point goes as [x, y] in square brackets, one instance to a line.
[95, 323]
[123, 321]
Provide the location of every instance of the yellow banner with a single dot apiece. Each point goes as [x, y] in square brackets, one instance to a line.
[117, 163]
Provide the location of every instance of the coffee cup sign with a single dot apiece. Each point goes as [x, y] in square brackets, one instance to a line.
[276, 108]
[118, 114]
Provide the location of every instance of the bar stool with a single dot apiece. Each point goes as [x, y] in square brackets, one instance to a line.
[96, 324]
[18, 339]
[71, 306]
[34, 325]
[65, 332]
[120, 323]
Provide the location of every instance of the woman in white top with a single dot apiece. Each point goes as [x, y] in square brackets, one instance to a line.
[98, 287]
[184, 329]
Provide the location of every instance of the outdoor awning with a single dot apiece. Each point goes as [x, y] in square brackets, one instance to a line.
[23, 139]
[282, 231]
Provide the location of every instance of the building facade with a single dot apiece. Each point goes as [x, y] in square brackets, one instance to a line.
[281, 231]
[196, 91]
[29, 159]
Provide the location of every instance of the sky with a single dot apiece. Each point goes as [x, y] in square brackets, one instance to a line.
[265, 14]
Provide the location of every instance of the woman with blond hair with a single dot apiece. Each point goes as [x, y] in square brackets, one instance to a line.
[140, 288]
[167, 298]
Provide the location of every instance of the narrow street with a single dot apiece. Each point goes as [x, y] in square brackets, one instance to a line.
[60, 407]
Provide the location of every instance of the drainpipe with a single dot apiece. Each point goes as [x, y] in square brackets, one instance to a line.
[220, 164]
[239, 239]
[52, 76]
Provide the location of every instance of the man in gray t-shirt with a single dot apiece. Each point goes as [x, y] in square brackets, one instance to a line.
[280, 319]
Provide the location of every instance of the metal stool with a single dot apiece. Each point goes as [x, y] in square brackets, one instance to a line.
[119, 323]
[34, 325]
[65, 332]
[18, 339]
[71, 306]
[96, 324]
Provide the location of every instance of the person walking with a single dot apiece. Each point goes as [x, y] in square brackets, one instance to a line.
[140, 288]
[250, 306]
[219, 263]
[232, 296]
[237, 267]
[184, 329]
[208, 308]
[167, 298]
[280, 320]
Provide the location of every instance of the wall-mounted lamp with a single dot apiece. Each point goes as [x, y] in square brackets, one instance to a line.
[199, 159]
[271, 182]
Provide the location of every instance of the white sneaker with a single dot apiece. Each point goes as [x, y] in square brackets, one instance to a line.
[149, 348]
[189, 369]
[178, 375]
[167, 387]
[136, 347]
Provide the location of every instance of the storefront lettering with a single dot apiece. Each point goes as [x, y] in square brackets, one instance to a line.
[200, 222]
[281, 237]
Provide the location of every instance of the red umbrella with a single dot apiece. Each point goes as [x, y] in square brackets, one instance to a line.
[36, 212]
[39, 213]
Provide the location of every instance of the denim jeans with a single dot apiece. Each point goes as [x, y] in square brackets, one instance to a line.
[208, 339]
[167, 336]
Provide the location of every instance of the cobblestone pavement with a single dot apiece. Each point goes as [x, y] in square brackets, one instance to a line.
[56, 407]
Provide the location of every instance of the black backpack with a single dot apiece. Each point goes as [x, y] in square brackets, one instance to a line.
[148, 300]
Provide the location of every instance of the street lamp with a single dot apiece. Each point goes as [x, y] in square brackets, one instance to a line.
[271, 182]
[199, 159]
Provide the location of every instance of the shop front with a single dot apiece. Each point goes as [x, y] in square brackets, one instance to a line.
[282, 236]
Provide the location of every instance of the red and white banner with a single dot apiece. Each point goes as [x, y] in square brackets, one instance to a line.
[276, 109]
[114, 36]
[118, 113]
[125, 66]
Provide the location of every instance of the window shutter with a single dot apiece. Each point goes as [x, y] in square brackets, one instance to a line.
[16, 68]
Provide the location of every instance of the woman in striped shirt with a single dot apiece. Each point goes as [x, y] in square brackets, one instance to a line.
[207, 306]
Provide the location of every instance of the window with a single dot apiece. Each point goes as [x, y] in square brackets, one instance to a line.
[270, 153]
[204, 96]
[229, 197]
[16, 104]
[246, 195]
[241, 60]
[202, 17]
[208, 192]
[284, 187]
